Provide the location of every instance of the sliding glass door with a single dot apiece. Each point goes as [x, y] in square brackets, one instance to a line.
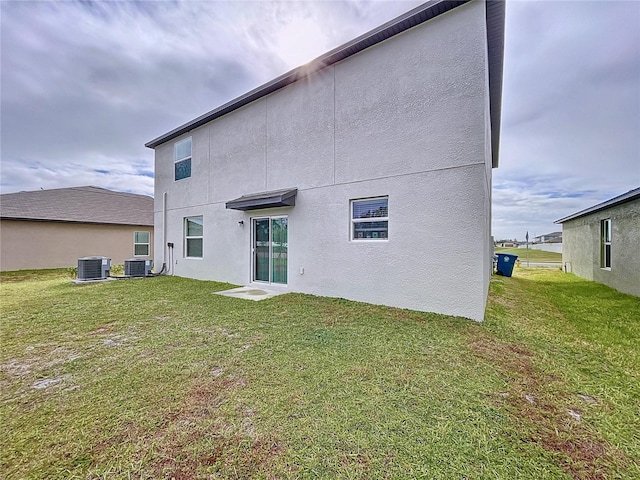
[269, 249]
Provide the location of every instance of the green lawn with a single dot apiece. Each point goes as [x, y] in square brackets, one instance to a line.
[537, 256]
[159, 378]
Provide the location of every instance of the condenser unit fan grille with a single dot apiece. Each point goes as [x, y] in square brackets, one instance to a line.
[92, 268]
[137, 267]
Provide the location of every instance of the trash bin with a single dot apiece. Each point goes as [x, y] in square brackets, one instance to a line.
[506, 262]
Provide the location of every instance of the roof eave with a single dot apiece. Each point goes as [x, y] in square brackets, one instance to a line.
[58, 220]
[495, 15]
[495, 12]
[615, 201]
[495, 36]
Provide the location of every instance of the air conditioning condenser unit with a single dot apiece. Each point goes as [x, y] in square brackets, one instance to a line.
[93, 268]
[137, 267]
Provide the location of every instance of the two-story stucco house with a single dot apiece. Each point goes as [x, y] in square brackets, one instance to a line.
[365, 174]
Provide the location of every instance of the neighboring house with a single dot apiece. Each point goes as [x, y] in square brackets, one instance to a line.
[550, 242]
[602, 243]
[53, 228]
[365, 174]
[555, 237]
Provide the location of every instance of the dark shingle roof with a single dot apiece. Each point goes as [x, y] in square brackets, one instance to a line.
[495, 14]
[78, 204]
[625, 197]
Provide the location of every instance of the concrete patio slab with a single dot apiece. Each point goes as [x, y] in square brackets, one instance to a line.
[250, 293]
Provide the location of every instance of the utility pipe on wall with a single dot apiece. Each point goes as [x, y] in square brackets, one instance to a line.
[164, 231]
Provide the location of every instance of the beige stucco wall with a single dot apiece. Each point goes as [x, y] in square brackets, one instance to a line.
[33, 245]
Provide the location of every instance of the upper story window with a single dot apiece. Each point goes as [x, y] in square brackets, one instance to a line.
[370, 219]
[182, 159]
[141, 243]
[605, 243]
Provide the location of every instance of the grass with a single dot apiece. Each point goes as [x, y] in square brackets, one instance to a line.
[158, 378]
[536, 256]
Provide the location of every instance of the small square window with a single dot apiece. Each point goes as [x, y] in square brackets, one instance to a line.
[182, 159]
[141, 241]
[370, 219]
[183, 169]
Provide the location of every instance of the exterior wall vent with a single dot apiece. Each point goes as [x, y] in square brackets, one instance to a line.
[93, 268]
[137, 267]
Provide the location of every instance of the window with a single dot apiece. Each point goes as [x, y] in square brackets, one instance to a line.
[605, 243]
[141, 243]
[182, 159]
[193, 237]
[370, 219]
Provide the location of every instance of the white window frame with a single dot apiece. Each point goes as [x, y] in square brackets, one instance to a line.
[354, 221]
[177, 160]
[605, 241]
[192, 237]
[148, 243]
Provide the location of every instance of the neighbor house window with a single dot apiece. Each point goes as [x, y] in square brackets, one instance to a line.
[605, 243]
[182, 159]
[193, 237]
[370, 219]
[141, 243]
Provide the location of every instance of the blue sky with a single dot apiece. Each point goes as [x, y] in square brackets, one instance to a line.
[86, 84]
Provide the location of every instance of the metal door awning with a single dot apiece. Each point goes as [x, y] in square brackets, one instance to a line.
[255, 201]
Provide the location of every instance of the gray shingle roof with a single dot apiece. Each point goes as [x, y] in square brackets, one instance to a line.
[78, 204]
